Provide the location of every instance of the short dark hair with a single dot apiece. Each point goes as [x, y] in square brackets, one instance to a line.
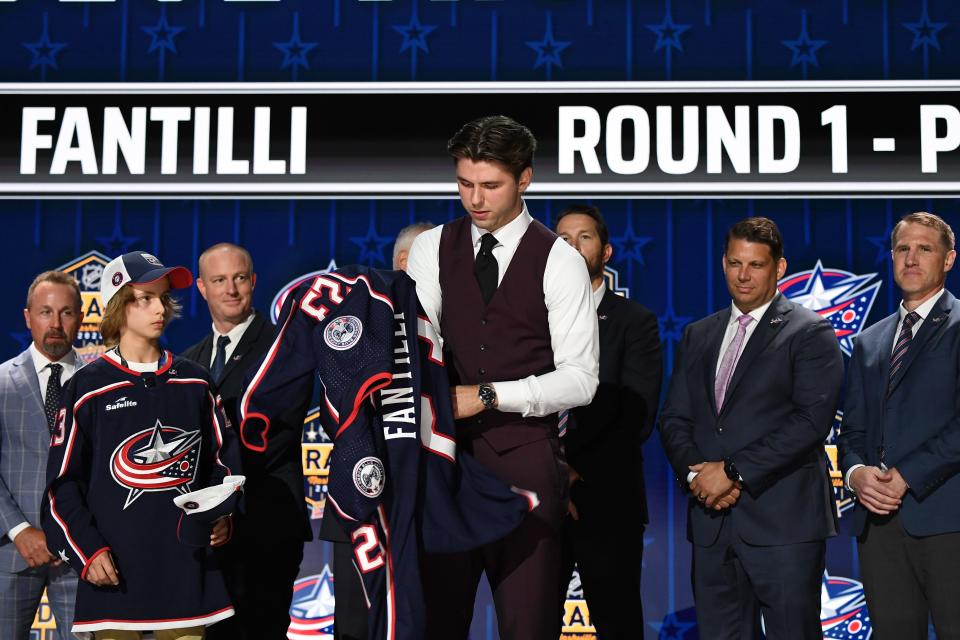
[591, 212]
[495, 139]
[757, 229]
[931, 220]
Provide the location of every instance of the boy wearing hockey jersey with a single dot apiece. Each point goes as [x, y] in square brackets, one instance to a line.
[136, 428]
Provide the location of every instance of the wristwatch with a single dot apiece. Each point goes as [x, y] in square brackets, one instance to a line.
[488, 395]
[731, 470]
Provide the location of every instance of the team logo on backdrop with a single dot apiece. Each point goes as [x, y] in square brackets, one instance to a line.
[291, 286]
[311, 612]
[315, 449]
[841, 297]
[843, 609]
[368, 476]
[343, 333]
[87, 270]
[161, 458]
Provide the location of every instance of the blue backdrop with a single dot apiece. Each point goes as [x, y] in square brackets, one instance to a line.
[667, 252]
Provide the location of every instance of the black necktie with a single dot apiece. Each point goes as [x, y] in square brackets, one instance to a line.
[485, 267]
[903, 342]
[218, 363]
[51, 405]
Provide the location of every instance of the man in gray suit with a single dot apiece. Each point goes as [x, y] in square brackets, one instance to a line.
[30, 386]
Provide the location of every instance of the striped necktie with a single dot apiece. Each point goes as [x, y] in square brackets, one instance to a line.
[903, 342]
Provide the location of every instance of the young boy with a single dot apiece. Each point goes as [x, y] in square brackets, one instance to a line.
[137, 428]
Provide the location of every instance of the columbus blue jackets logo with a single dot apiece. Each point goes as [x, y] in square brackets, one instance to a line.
[841, 297]
[311, 612]
[343, 333]
[161, 458]
[369, 476]
[843, 609]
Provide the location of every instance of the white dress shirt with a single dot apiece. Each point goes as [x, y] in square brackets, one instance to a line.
[728, 337]
[570, 313]
[234, 334]
[923, 311]
[42, 366]
[598, 294]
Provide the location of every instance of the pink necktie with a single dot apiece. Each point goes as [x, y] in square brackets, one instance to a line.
[729, 362]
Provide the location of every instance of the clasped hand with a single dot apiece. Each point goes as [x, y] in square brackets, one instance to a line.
[712, 487]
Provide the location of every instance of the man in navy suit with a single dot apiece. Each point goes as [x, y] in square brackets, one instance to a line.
[900, 443]
[752, 397]
[30, 386]
[603, 443]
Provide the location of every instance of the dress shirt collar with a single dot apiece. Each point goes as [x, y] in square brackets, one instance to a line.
[234, 334]
[923, 310]
[598, 293]
[757, 313]
[40, 361]
[507, 235]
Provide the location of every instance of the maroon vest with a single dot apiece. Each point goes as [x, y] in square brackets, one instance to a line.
[508, 339]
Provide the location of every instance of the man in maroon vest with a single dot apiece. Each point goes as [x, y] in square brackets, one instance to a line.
[515, 311]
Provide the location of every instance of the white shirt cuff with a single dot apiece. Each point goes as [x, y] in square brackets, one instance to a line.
[13, 533]
[691, 476]
[512, 397]
[846, 479]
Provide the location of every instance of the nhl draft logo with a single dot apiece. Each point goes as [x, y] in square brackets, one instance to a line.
[315, 450]
[311, 611]
[576, 613]
[612, 278]
[843, 609]
[841, 297]
[844, 498]
[368, 476]
[343, 333]
[87, 270]
[157, 459]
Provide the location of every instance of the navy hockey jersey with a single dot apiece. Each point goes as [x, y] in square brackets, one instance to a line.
[398, 482]
[124, 445]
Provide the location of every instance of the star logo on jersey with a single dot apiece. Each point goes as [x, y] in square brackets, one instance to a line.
[841, 297]
[161, 458]
[63, 555]
[343, 333]
[311, 611]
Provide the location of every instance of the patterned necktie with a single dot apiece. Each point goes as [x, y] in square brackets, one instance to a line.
[485, 267]
[903, 342]
[220, 361]
[729, 362]
[51, 404]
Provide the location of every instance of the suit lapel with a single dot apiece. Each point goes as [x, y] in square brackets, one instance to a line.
[770, 324]
[247, 340]
[26, 380]
[206, 351]
[712, 354]
[931, 325]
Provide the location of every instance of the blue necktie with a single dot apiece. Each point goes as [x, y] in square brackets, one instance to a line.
[220, 361]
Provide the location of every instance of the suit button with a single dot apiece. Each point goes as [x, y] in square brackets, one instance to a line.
[482, 371]
[483, 347]
[483, 321]
[479, 420]
[719, 429]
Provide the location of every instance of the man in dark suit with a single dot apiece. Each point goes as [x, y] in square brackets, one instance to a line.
[752, 397]
[262, 562]
[603, 443]
[900, 442]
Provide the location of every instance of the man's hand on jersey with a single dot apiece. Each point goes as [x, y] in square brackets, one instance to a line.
[222, 530]
[102, 572]
[466, 400]
[711, 482]
[876, 489]
[32, 545]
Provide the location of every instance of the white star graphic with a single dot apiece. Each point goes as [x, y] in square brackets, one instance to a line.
[312, 434]
[63, 555]
[157, 450]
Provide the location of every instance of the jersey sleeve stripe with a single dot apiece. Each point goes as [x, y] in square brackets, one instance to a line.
[373, 292]
[372, 384]
[215, 419]
[267, 362]
[66, 531]
[432, 440]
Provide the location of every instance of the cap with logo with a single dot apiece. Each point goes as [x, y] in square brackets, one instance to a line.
[138, 267]
[202, 508]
